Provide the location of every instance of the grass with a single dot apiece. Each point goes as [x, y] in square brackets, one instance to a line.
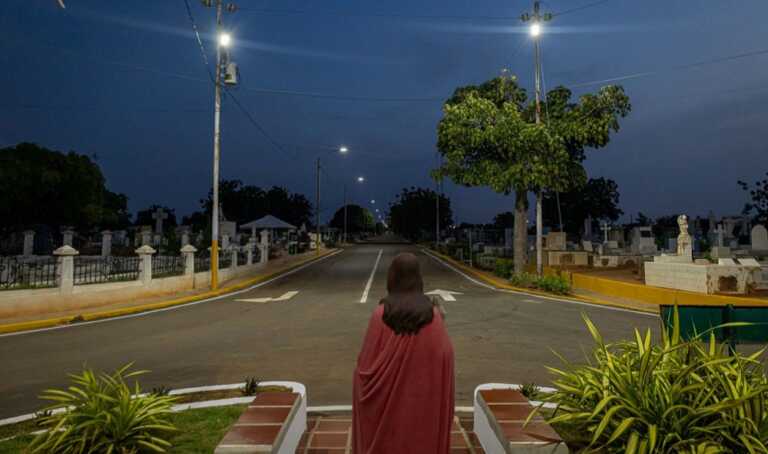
[199, 430]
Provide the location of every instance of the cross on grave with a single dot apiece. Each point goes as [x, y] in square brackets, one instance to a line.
[720, 232]
[605, 228]
[159, 216]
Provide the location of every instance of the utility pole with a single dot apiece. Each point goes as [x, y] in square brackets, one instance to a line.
[345, 213]
[437, 203]
[317, 208]
[216, 158]
[536, 19]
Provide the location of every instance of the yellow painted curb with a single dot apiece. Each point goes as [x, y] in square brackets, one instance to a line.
[57, 321]
[500, 283]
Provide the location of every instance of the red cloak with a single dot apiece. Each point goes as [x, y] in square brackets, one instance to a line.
[403, 392]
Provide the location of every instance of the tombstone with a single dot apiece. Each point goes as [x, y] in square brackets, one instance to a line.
[555, 241]
[225, 241]
[146, 235]
[759, 236]
[612, 244]
[106, 243]
[643, 241]
[605, 228]
[508, 237]
[185, 236]
[29, 242]
[159, 216]
[719, 235]
[120, 237]
[67, 234]
[157, 239]
[587, 246]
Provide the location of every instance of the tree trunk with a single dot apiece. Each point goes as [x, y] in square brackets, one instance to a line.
[521, 231]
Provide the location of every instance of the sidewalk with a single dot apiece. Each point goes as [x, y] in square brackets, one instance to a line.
[273, 269]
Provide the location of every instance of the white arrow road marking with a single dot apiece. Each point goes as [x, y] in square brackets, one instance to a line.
[364, 298]
[446, 295]
[286, 296]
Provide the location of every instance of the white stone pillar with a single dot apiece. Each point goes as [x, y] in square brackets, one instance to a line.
[249, 249]
[68, 234]
[233, 251]
[188, 252]
[145, 267]
[65, 274]
[106, 243]
[224, 242]
[264, 247]
[184, 236]
[29, 242]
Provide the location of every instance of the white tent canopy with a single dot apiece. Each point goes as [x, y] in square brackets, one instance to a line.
[268, 222]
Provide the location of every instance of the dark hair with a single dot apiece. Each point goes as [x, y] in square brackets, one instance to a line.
[406, 309]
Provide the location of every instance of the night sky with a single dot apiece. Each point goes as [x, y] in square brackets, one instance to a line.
[125, 81]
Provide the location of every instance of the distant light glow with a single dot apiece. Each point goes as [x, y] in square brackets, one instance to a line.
[373, 201]
[225, 40]
[535, 29]
[360, 179]
[343, 149]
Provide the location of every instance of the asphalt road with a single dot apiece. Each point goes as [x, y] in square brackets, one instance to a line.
[313, 337]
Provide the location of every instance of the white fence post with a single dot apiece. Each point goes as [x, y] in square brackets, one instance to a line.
[65, 274]
[188, 252]
[145, 267]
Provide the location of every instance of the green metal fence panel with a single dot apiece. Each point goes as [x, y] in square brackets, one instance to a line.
[757, 332]
[697, 319]
[694, 320]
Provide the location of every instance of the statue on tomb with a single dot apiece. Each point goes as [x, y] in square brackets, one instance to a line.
[684, 242]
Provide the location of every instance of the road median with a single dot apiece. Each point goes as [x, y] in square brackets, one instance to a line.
[503, 284]
[97, 314]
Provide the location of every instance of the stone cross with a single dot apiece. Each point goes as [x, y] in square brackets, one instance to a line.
[605, 228]
[720, 232]
[159, 216]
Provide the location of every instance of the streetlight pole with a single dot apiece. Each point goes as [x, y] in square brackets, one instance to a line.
[537, 18]
[317, 213]
[345, 213]
[216, 158]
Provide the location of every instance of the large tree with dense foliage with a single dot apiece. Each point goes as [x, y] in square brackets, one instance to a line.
[42, 186]
[244, 203]
[359, 219]
[758, 204]
[598, 199]
[488, 137]
[413, 215]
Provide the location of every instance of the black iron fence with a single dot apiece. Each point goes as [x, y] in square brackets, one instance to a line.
[19, 273]
[202, 264]
[225, 260]
[95, 270]
[167, 265]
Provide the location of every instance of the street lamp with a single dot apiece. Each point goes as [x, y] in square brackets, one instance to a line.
[360, 179]
[535, 29]
[342, 150]
[225, 39]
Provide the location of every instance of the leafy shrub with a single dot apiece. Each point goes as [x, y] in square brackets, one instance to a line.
[100, 414]
[554, 284]
[251, 387]
[504, 268]
[677, 396]
[530, 390]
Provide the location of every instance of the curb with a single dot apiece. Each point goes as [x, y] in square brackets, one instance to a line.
[501, 284]
[70, 320]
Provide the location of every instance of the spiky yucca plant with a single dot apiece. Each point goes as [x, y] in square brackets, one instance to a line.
[677, 396]
[102, 414]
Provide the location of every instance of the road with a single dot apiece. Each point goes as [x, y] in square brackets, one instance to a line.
[312, 336]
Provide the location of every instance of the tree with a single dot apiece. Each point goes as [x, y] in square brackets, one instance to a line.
[244, 203]
[359, 219]
[488, 137]
[759, 200]
[598, 199]
[413, 215]
[505, 220]
[41, 186]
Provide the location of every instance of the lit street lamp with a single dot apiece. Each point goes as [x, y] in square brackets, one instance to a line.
[341, 150]
[359, 180]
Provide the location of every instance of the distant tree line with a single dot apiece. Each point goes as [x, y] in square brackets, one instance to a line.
[413, 214]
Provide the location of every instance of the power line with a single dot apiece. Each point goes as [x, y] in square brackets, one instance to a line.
[256, 123]
[580, 8]
[345, 97]
[674, 68]
[373, 15]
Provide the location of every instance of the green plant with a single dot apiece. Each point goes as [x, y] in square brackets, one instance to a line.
[675, 396]
[161, 390]
[504, 268]
[553, 284]
[525, 280]
[40, 417]
[101, 413]
[530, 390]
[250, 387]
